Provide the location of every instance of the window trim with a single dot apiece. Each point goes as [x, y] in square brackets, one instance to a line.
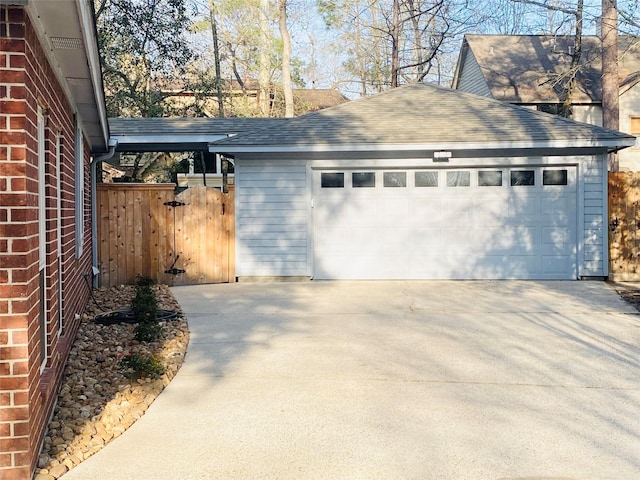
[42, 237]
[79, 189]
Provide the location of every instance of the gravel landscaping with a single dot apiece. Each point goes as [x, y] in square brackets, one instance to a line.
[96, 402]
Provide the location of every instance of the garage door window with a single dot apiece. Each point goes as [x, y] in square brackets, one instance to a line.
[394, 179]
[554, 177]
[490, 178]
[363, 179]
[426, 179]
[522, 178]
[458, 179]
[332, 180]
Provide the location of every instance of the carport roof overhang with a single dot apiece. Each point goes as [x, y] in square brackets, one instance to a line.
[179, 134]
[164, 143]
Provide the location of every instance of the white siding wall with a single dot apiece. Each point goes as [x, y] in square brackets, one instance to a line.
[594, 257]
[273, 213]
[591, 114]
[471, 79]
[272, 217]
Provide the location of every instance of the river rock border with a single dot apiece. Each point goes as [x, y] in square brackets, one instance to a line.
[96, 403]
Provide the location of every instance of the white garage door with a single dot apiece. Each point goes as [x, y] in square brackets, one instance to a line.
[445, 224]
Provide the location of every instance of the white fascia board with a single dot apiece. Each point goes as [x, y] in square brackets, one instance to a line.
[164, 138]
[559, 144]
[87, 19]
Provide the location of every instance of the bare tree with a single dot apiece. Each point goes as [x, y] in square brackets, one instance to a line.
[216, 56]
[610, 90]
[286, 58]
[264, 77]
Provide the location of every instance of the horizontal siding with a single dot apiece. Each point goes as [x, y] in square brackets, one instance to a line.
[471, 79]
[593, 256]
[272, 214]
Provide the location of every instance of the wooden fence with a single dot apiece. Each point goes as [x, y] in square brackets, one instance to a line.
[184, 239]
[624, 226]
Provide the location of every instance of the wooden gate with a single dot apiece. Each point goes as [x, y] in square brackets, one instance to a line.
[624, 226]
[184, 239]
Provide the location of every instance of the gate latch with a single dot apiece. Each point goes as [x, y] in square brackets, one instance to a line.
[175, 203]
[173, 270]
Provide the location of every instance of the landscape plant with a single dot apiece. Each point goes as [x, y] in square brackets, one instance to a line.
[140, 365]
[145, 309]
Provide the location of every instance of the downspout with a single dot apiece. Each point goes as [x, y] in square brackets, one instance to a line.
[113, 144]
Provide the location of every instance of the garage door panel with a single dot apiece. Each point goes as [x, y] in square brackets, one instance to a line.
[559, 237]
[446, 231]
[557, 264]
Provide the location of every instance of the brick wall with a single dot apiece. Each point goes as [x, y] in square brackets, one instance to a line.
[28, 383]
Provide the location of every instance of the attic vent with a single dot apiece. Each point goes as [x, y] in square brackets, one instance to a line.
[65, 43]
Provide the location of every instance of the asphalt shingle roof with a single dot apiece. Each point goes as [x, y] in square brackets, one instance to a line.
[422, 114]
[526, 68]
[186, 126]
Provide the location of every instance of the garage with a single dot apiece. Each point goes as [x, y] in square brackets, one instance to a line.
[422, 182]
[445, 224]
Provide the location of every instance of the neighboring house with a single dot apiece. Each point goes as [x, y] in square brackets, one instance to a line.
[525, 70]
[422, 182]
[52, 118]
[242, 100]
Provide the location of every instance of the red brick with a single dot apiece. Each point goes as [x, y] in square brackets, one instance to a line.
[13, 107]
[12, 414]
[22, 458]
[5, 460]
[21, 275]
[18, 154]
[20, 245]
[17, 123]
[13, 383]
[14, 229]
[18, 184]
[10, 261]
[19, 337]
[4, 338]
[12, 321]
[14, 444]
[20, 398]
[5, 369]
[12, 76]
[4, 152]
[20, 368]
[4, 305]
[21, 429]
[5, 398]
[17, 61]
[5, 430]
[21, 473]
[13, 199]
[14, 353]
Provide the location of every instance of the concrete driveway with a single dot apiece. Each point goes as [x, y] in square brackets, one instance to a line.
[394, 380]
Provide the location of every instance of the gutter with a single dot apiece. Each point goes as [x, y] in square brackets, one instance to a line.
[113, 144]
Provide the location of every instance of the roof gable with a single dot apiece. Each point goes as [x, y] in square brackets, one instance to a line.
[417, 116]
[526, 68]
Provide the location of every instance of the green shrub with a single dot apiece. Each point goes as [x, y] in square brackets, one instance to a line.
[147, 331]
[140, 365]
